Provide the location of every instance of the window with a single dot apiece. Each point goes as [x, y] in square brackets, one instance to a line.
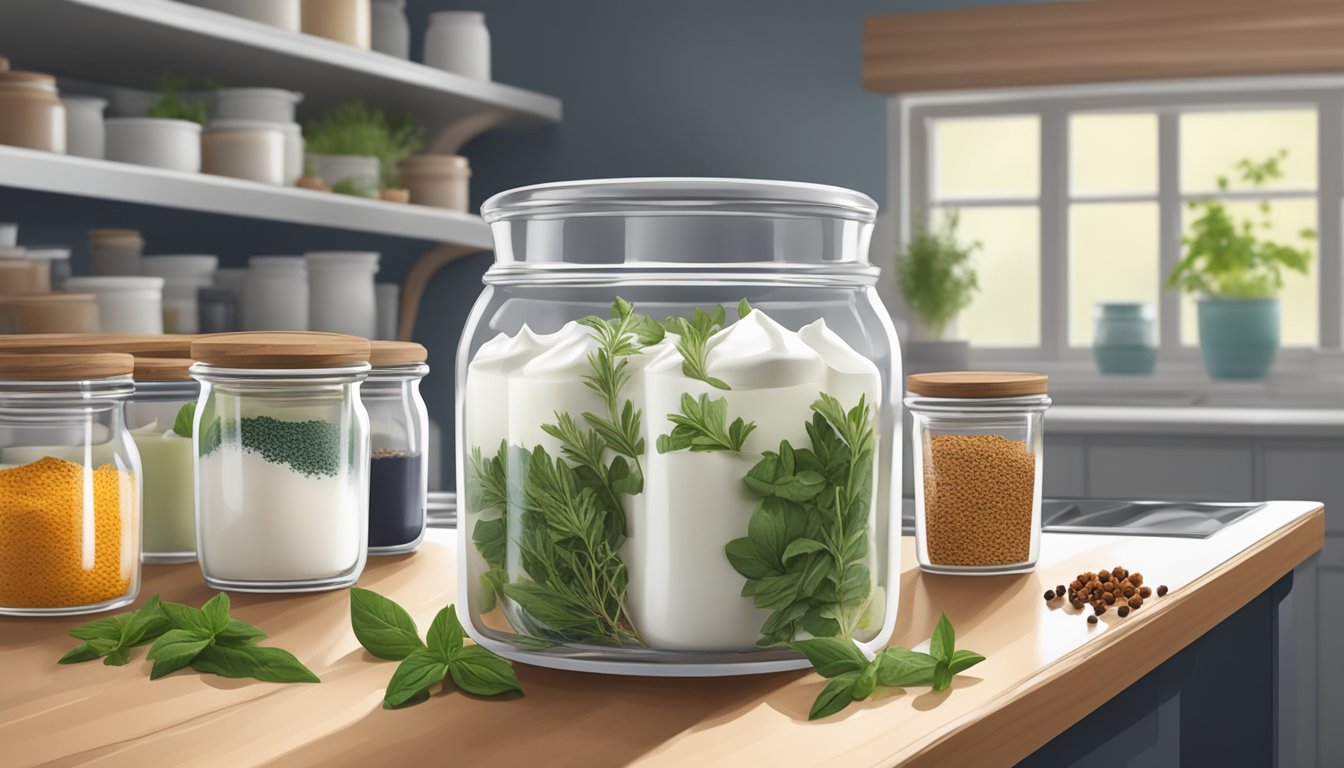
[1082, 195]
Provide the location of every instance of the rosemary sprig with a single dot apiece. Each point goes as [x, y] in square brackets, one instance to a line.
[616, 338]
[693, 342]
[703, 425]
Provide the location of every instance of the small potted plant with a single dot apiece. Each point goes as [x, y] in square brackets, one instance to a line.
[170, 137]
[1237, 275]
[937, 279]
[355, 149]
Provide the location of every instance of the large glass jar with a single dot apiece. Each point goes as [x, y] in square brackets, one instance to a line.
[677, 428]
[976, 445]
[160, 419]
[69, 485]
[282, 460]
[399, 429]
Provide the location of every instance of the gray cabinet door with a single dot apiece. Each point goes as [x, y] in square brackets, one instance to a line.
[1185, 468]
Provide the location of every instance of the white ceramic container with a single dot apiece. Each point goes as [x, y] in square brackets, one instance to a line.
[244, 149]
[9, 234]
[391, 31]
[58, 259]
[360, 171]
[275, 294]
[293, 152]
[125, 304]
[171, 144]
[84, 125]
[183, 276]
[271, 105]
[277, 13]
[387, 299]
[341, 296]
[441, 181]
[458, 41]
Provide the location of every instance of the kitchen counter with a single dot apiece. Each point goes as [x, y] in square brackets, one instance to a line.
[1046, 669]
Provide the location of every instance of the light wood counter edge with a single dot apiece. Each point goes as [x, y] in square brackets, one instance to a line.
[1028, 717]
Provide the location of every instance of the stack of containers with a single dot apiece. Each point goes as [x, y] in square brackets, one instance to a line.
[183, 277]
[19, 274]
[125, 304]
[254, 136]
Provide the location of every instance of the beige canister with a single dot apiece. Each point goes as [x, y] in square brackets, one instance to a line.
[347, 21]
[49, 313]
[19, 274]
[31, 112]
[440, 181]
[115, 252]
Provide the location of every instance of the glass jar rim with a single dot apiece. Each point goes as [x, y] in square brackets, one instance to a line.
[1023, 404]
[110, 388]
[407, 372]
[339, 374]
[177, 389]
[662, 273]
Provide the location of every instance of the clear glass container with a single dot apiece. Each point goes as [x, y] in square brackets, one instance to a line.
[600, 535]
[399, 429]
[159, 417]
[978, 458]
[69, 485]
[281, 441]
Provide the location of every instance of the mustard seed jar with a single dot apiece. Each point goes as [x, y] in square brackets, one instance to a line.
[978, 461]
[69, 485]
[677, 423]
[399, 463]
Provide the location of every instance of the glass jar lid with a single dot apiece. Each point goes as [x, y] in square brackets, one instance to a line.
[281, 350]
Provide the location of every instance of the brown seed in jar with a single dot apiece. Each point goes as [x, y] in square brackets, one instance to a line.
[979, 494]
[1135, 601]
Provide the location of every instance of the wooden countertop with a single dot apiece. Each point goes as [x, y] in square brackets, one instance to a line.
[1046, 669]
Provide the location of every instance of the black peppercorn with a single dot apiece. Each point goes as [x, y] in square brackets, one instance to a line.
[1123, 611]
[1161, 590]
[1059, 590]
[1049, 595]
[1099, 608]
[1091, 619]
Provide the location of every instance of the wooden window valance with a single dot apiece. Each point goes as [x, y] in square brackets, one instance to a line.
[1093, 41]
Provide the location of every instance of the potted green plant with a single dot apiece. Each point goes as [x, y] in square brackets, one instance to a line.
[170, 137]
[1237, 273]
[937, 278]
[355, 149]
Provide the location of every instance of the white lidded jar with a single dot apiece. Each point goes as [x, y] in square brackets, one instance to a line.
[459, 42]
[341, 296]
[245, 149]
[353, 174]
[275, 297]
[391, 31]
[701, 373]
[267, 105]
[276, 13]
[125, 304]
[184, 276]
[281, 440]
[174, 145]
[84, 126]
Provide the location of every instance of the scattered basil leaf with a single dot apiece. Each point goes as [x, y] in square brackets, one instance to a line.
[964, 660]
[237, 632]
[837, 695]
[480, 672]
[446, 635]
[175, 649]
[216, 612]
[384, 628]
[902, 667]
[271, 665]
[183, 616]
[943, 640]
[112, 637]
[831, 656]
[743, 309]
[118, 657]
[418, 671]
[185, 414]
[867, 680]
[942, 676]
[106, 628]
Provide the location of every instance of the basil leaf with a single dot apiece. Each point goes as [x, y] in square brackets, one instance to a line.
[802, 547]
[147, 623]
[803, 486]
[867, 680]
[445, 634]
[837, 695]
[216, 612]
[271, 665]
[478, 671]
[751, 559]
[119, 657]
[743, 309]
[942, 676]
[185, 414]
[944, 640]
[175, 649]
[832, 656]
[964, 660]
[79, 654]
[238, 632]
[186, 617]
[902, 667]
[106, 628]
[417, 671]
[384, 628]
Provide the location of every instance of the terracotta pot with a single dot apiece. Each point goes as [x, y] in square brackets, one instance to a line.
[31, 114]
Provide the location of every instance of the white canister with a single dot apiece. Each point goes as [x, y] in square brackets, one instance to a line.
[391, 31]
[440, 181]
[125, 304]
[275, 294]
[269, 105]
[357, 171]
[58, 259]
[293, 152]
[9, 234]
[341, 296]
[244, 149]
[84, 126]
[233, 280]
[458, 41]
[115, 252]
[183, 276]
[277, 13]
[387, 298]
[158, 142]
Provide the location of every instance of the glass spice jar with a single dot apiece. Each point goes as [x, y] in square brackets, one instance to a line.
[160, 419]
[281, 442]
[976, 446]
[69, 484]
[399, 434]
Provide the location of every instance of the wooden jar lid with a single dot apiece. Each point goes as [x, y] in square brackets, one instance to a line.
[387, 353]
[63, 366]
[140, 345]
[162, 368]
[280, 349]
[977, 384]
[49, 298]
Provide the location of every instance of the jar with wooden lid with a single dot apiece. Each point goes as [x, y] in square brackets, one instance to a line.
[31, 112]
[136, 344]
[160, 417]
[21, 275]
[115, 252]
[281, 445]
[399, 467]
[976, 445]
[69, 484]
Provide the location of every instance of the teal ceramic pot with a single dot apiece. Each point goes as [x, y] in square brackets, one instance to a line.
[1124, 338]
[1238, 337]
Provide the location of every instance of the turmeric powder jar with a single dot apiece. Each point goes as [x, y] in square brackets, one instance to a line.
[976, 449]
[69, 484]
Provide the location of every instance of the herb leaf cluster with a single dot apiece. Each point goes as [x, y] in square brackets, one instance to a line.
[703, 425]
[807, 541]
[206, 639]
[854, 678]
[693, 342]
[936, 274]
[388, 632]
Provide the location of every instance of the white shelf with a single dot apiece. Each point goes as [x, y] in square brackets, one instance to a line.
[102, 179]
[131, 43]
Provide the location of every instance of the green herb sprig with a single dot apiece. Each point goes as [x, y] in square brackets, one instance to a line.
[693, 342]
[488, 494]
[183, 421]
[703, 425]
[206, 639]
[854, 678]
[388, 632]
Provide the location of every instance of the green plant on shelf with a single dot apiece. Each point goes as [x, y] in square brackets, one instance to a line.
[1231, 257]
[357, 129]
[174, 103]
[936, 274]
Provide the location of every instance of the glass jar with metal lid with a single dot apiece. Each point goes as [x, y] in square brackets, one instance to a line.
[281, 441]
[677, 421]
[976, 444]
[399, 430]
[69, 484]
[160, 419]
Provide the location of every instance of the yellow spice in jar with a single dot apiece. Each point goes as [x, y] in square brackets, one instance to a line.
[51, 554]
[978, 494]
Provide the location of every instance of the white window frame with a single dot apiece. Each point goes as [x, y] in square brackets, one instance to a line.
[910, 160]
